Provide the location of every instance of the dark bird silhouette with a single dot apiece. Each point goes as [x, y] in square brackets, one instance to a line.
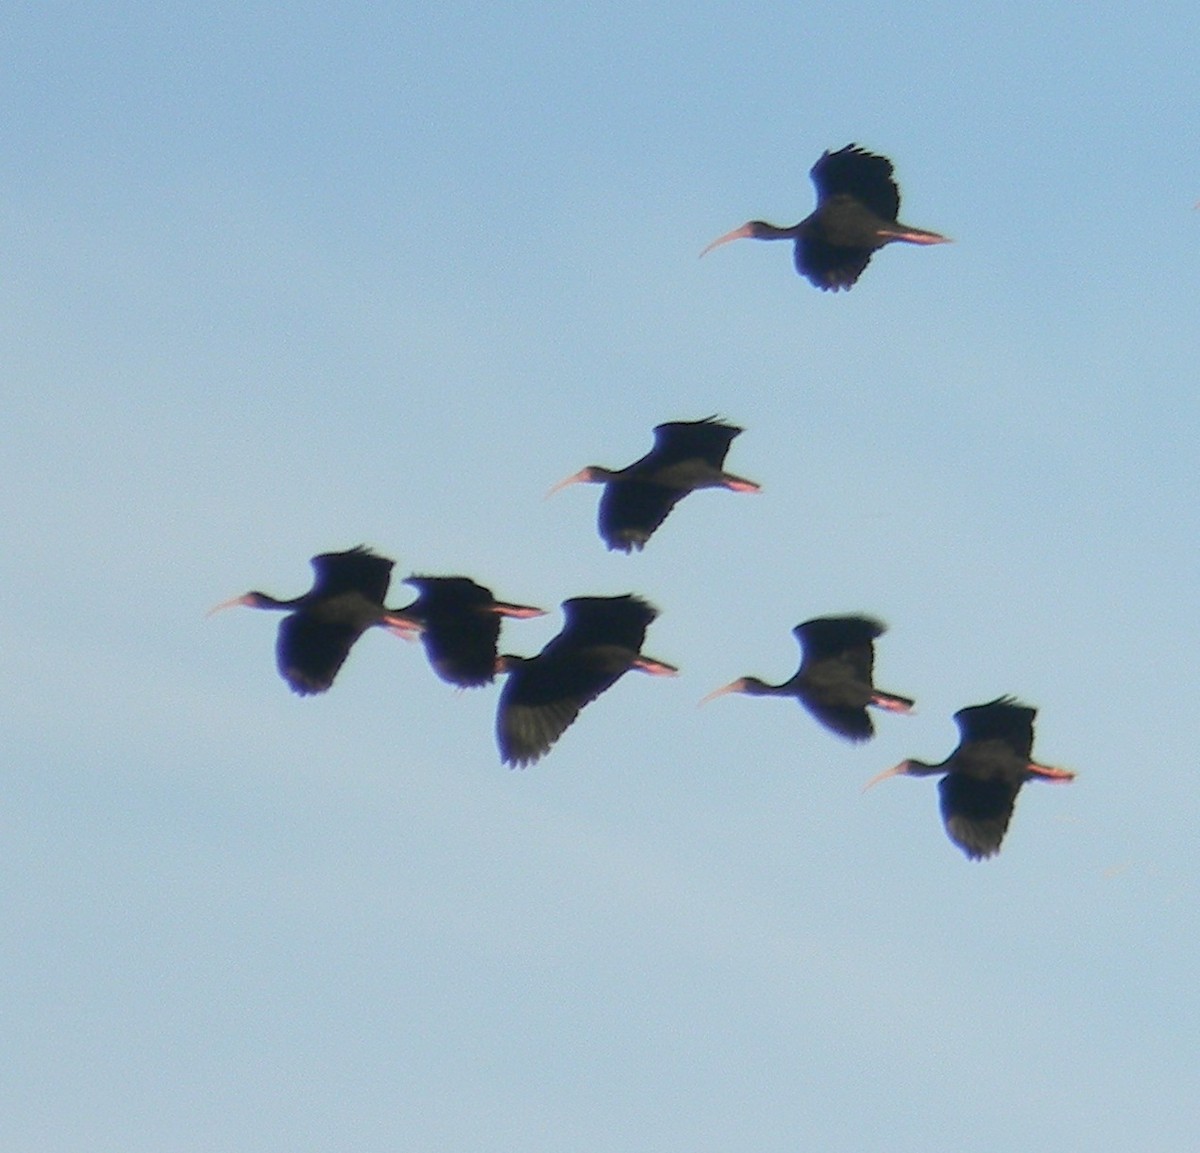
[857, 205]
[981, 778]
[834, 681]
[346, 599]
[600, 642]
[687, 455]
[460, 626]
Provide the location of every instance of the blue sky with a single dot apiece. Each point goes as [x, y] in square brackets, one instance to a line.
[278, 280]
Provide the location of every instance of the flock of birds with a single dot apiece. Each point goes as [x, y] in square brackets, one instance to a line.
[459, 621]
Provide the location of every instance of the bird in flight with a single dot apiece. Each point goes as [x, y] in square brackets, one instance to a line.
[321, 627]
[857, 205]
[981, 778]
[687, 455]
[460, 626]
[835, 679]
[600, 642]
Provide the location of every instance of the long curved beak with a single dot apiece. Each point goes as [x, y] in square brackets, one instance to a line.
[737, 234]
[233, 602]
[733, 687]
[581, 477]
[895, 771]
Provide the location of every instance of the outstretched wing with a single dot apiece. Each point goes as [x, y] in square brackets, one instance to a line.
[459, 633]
[356, 570]
[631, 510]
[619, 621]
[679, 440]
[846, 637]
[829, 266]
[1005, 719]
[976, 812]
[852, 723]
[309, 651]
[853, 171]
[541, 699]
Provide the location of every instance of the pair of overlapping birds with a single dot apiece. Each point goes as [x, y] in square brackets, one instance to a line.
[459, 620]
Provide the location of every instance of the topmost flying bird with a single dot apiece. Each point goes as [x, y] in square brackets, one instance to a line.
[857, 205]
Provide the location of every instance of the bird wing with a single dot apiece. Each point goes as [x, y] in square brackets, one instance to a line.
[458, 632]
[1005, 720]
[357, 570]
[309, 651]
[461, 646]
[853, 171]
[543, 696]
[679, 440]
[825, 637]
[829, 266]
[976, 812]
[592, 622]
[631, 510]
[852, 723]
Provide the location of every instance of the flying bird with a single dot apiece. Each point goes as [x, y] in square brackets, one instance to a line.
[345, 600]
[981, 778]
[460, 626]
[834, 681]
[687, 455]
[600, 642]
[857, 205]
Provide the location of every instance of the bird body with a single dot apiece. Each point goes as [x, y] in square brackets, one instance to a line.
[600, 641]
[835, 681]
[983, 775]
[857, 206]
[345, 600]
[460, 626]
[687, 455]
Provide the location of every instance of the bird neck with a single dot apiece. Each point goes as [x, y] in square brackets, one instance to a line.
[914, 768]
[761, 230]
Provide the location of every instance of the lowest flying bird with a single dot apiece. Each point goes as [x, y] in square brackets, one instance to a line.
[599, 643]
[460, 626]
[345, 600]
[687, 455]
[857, 205]
[981, 778]
[835, 679]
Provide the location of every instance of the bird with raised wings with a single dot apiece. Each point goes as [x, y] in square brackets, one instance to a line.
[601, 640]
[687, 455]
[460, 626]
[835, 681]
[983, 775]
[856, 214]
[345, 600]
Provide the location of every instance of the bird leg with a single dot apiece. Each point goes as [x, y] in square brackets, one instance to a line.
[521, 611]
[912, 235]
[1050, 773]
[400, 626]
[654, 667]
[740, 483]
[892, 703]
